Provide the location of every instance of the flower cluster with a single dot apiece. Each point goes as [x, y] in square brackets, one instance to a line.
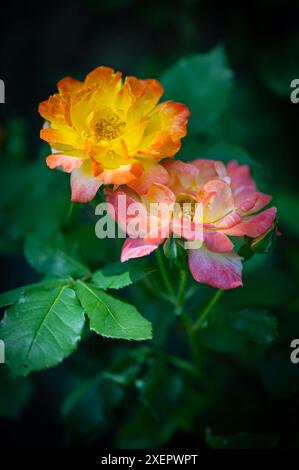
[104, 130]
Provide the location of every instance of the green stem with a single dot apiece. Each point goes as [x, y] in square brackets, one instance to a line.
[207, 310]
[183, 365]
[188, 327]
[164, 274]
[69, 213]
[195, 351]
[154, 290]
[182, 291]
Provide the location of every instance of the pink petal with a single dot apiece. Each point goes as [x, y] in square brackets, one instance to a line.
[240, 177]
[248, 201]
[186, 229]
[151, 174]
[121, 200]
[136, 248]
[159, 193]
[218, 242]
[182, 176]
[247, 198]
[153, 228]
[209, 169]
[223, 271]
[84, 185]
[230, 220]
[67, 163]
[261, 201]
[222, 202]
[254, 226]
[131, 214]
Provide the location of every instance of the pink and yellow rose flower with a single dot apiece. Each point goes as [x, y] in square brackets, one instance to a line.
[106, 130]
[231, 205]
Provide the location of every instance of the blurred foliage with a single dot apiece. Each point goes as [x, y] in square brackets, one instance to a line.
[244, 391]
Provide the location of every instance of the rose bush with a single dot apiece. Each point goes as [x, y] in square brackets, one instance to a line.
[200, 217]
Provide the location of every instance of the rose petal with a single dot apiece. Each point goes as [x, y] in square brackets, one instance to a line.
[122, 175]
[218, 242]
[121, 201]
[69, 85]
[222, 202]
[223, 271]
[247, 198]
[67, 163]
[255, 225]
[164, 130]
[182, 176]
[136, 248]
[84, 185]
[209, 169]
[152, 173]
[230, 220]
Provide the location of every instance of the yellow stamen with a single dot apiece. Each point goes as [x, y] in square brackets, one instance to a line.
[185, 207]
[107, 127]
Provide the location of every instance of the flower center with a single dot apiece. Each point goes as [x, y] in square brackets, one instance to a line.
[107, 127]
[185, 207]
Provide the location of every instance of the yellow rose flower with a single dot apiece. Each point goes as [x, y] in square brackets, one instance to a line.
[106, 130]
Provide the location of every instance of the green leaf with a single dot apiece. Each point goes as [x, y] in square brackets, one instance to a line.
[203, 82]
[160, 389]
[41, 329]
[264, 243]
[152, 421]
[170, 248]
[279, 375]
[194, 148]
[174, 250]
[228, 330]
[41, 193]
[111, 317]
[10, 297]
[257, 325]
[261, 245]
[262, 288]
[242, 440]
[118, 275]
[17, 131]
[88, 407]
[14, 394]
[279, 65]
[89, 403]
[53, 257]
[245, 251]
[227, 152]
[219, 335]
[288, 205]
